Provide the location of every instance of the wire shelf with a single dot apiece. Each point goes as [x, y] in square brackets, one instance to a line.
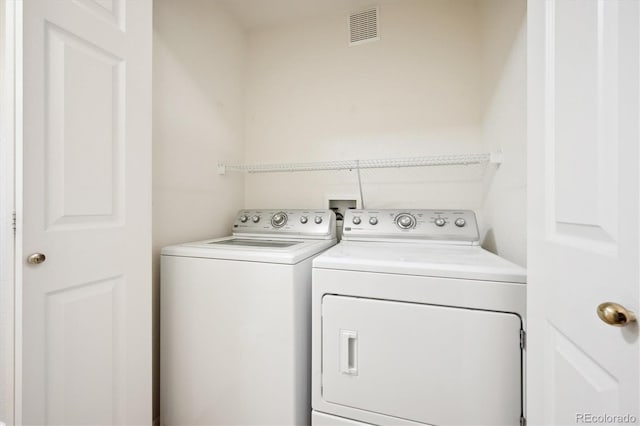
[386, 163]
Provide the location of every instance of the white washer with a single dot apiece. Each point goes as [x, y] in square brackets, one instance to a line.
[414, 323]
[235, 321]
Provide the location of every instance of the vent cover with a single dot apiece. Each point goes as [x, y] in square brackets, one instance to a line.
[363, 26]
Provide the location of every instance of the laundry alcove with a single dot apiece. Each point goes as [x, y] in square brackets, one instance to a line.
[273, 82]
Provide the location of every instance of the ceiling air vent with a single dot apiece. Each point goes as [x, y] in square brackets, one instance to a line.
[364, 26]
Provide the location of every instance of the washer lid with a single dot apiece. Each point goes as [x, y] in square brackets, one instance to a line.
[250, 243]
[251, 249]
[433, 260]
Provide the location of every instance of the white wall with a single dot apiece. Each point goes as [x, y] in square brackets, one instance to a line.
[504, 125]
[198, 73]
[415, 92]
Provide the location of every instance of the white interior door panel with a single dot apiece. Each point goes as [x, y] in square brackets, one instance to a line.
[86, 206]
[583, 218]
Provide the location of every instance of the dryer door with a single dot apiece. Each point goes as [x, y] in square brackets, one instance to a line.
[425, 363]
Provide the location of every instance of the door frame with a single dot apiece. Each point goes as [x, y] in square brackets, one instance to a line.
[10, 202]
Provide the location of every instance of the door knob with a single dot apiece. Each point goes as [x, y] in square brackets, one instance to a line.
[36, 258]
[614, 314]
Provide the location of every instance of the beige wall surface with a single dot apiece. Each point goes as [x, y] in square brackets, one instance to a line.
[504, 126]
[311, 97]
[198, 81]
[445, 78]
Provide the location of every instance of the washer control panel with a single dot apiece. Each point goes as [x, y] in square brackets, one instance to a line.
[298, 222]
[409, 224]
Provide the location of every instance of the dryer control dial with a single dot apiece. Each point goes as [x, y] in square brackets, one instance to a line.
[455, 226]
[255, 219]
[405, 221]
[318, 220]
[244, 218]
[279, 219]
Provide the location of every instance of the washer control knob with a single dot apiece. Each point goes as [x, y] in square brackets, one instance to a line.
[460, 222]
[318, 220]
[373, 220]
[405, 221]
[304, 219]
[244, 218]
[255, 219]
[356, 220]
[279, 219]
[440, 222]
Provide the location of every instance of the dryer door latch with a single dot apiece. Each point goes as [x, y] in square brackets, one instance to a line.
[349, 352]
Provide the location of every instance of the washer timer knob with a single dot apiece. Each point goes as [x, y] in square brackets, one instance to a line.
[460, 222]
[405, 221]
[373, 220]
[356, 220]
[279, 219]
[244, 218]
[318, 220]
[304, 219]
[255, 219]
[440, 222]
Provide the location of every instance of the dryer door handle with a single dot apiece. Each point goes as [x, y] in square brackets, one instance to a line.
[349, 352]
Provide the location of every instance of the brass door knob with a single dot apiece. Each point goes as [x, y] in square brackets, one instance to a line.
[36, 258]
[614, 314]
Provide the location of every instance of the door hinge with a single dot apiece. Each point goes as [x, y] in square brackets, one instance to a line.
[523, 339]
[13, 223]
[523, 421]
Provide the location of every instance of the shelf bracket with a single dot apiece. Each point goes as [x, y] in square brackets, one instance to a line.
[496, 157]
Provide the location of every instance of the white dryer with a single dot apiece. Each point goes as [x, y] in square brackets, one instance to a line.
[235, 321]
[414, 323]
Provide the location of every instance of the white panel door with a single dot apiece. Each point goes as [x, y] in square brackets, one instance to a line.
[583, 209]
[425, 363]
[86, 203]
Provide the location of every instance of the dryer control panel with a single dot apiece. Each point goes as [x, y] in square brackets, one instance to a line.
[318, 224]
[453, 226]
